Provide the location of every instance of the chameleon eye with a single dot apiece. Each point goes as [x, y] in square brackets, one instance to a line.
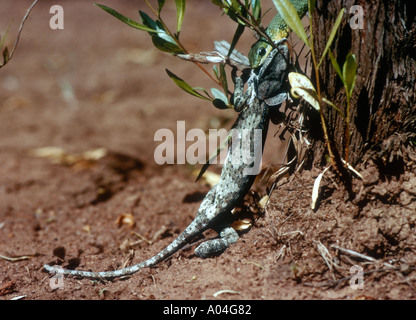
[262, 51]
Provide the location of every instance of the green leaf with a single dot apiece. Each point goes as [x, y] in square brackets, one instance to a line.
[291, 17]
[3, 39]
[219, 104]
[236, 37]
[221, 100]
[126, 20]
[215, 69]
[221, 76]
[336, 65]
[334, 106]
[223, 79]
[147, 21]
[349, 72]
[238, 32]
[332, 35]
[166, 43]
[6, 56]
[218, 3]
[160, 3]
[180, 13]
[161, 39]
[205, 91]
[184, 86]
[233, 9]
[256, 8]
[235, 6]
[219, 95]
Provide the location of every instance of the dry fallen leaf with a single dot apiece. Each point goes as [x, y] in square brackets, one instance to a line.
[364, 297]
[7, 288]
[315, 191]
[263, 202]
[125, 219]
[209, 177]
[218, 293]
[303, 87]
[242, 225]
[14, 259]
[58, 155]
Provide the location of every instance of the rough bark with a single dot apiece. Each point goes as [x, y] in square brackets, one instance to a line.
[383, 108]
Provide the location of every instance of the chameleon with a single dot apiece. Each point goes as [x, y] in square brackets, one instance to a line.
[276, 30]
[265, 89]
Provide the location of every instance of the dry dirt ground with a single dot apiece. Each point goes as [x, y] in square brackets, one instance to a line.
[100, 86]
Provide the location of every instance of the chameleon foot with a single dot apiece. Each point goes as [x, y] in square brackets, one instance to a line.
[209, 248]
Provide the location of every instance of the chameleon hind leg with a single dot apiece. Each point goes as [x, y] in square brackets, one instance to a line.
[228, 236]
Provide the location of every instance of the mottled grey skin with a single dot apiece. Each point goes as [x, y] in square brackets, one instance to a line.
[234, 181]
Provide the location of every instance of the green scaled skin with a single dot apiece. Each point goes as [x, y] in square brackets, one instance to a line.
[276, 30]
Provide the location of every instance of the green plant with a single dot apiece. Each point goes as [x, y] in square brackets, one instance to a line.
[303, 87]
[247, 14]
[7, 55]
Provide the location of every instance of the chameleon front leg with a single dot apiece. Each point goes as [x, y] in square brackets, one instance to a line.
[240, 98]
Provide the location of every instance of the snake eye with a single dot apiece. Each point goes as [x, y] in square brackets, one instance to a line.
[262, 51]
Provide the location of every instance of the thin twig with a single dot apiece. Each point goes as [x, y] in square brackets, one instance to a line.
[326, 256]
[354, 253]
[21, 28]
[258, 28]
[142, 237]
[337, 282]
[15, 259]
[176, 39]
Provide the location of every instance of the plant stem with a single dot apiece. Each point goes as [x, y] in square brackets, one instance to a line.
[258, 28]
[347, 130]
[334, 161]
[151, 8]
[318, 89]
[21, 28]
[179, 43]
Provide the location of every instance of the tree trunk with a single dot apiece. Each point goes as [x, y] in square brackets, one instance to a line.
[383, 108]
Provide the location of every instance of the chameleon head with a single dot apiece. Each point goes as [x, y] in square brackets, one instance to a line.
[261, 49]
[258, 53]
[276, 31]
